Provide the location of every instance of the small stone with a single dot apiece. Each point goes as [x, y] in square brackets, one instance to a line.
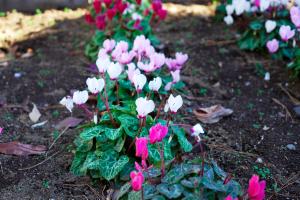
[247, 83]
[291, 147]
[259, 160]
[297, 111]
[18, 74]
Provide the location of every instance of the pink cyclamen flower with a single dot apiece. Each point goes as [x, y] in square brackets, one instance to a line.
[286, 33]
[295, 16]
[175, 76]
[157, 133]
[230, 198]
[137, 179]
[181, 58]
[100, 22]
[109, 45]
[256, 189]
[141, 149]
[273, 45]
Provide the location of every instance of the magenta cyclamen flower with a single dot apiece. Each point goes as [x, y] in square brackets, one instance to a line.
[273, 45]
[286, 33]
[157, 133]
[256, 189]
[230, 198]
[141, 149]
[295, 16]
[137, 179]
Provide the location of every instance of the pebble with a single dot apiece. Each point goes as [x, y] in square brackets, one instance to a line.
[297, 111]
[291, 147]
[259, 160]
[18, 74]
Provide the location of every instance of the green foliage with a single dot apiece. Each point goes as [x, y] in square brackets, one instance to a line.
[183, 181]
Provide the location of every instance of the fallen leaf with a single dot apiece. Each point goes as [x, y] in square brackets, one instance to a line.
[39, 124]
[35, 114]
[69, 122]
[212, 114]
[19, 149]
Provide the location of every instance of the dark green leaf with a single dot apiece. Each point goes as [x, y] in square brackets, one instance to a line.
[170, 191]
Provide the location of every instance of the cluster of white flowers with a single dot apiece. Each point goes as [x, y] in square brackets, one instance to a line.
[116, 58]
[238, 7]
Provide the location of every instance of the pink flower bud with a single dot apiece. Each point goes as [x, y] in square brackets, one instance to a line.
[157, 133]
[137, 179]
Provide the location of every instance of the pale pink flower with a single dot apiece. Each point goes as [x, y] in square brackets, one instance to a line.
[181, 58]
[175, 76]
[1, 130]
[286, 33]
[273, 45]
[256, 189]
[295, 16]
[158, 59]
[157, 133]
[132, 71]
[109, 45]
[146, 67]
[125, 57]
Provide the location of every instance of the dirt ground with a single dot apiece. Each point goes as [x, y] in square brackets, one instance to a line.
[217, 73]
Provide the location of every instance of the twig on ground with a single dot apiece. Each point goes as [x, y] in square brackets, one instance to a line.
[40, 163]
[58, 138]
[293, 99]
[288, 114]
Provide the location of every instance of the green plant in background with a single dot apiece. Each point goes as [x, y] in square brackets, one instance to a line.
[267, 27]
[122, 20]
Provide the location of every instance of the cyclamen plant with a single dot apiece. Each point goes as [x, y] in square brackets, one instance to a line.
[273, 26]
[122, 20]
[126, 109]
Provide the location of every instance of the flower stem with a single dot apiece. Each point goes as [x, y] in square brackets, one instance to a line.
[160, 107]
[142, 193]
[117, 92]
[162, 167]
[86, 110]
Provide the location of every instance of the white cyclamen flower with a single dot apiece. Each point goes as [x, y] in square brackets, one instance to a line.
[80, 97]
[144, 107]
[67, 102]
[228, 20]
[229, 9]
[267, 76]
[114, 70]
[139, 81]
[155, 84]
[173, 103]
[102, 64]
[270, 25]
[95, 85]
[197, 130]
[264, 5]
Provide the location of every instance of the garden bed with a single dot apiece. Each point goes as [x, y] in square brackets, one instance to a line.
[217, 73]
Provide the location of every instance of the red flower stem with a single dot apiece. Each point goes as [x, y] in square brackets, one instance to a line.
[142, 193]
[160, 107]
[107, 104]
[139, 131]
[117, 92]
[162, 167]
[169, 119]
[86, 110]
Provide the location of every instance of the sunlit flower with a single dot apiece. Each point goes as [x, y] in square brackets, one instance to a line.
[173, 103]
[80, 97]
[114, 70]
[144, 107]
[256, 189]
[157, 133]
[67, 102]
[95, 85]
[139, 81]
[155, 84]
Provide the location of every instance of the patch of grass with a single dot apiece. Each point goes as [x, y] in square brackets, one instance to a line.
[55, 134]
[41, 83]
[256, 125]
[260, 70]
[45, 183]
[203, 91]
[8, 117]
[38, 11]
[250, 106]
[55, 113]
[2, 14]
[263, 172]
[45, 72]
